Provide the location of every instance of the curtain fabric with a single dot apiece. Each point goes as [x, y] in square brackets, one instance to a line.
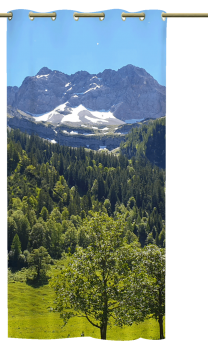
[86, 176]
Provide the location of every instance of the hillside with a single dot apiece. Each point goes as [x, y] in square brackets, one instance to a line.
[68, 182]
[147, 141]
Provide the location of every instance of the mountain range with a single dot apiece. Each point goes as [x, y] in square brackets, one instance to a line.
[128, 94]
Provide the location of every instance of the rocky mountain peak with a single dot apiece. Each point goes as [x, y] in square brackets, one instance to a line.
[44, 71]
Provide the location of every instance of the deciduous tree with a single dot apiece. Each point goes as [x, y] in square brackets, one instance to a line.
[91, 286]
[38, 261]
[154, 260]
[145, 285]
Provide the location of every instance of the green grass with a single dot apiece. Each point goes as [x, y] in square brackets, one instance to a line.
[29, 316]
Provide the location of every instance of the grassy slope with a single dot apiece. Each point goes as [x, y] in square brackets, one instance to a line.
[29, 317]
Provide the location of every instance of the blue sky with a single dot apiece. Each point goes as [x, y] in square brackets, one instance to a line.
[88, 44]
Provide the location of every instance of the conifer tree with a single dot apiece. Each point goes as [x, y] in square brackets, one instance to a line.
[16, 246]
[44, 213]
[14, 254]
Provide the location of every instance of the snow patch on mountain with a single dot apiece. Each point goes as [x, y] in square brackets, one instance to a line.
[42, 76]
[65, 113]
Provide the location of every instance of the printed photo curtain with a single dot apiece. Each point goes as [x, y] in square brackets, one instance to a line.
[86, 116]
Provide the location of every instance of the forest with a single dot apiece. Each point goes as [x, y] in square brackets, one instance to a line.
[56, 192]
[50, 189]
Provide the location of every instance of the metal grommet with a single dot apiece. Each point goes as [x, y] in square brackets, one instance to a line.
[163, 18]
[9, 18]
[101, 18]
[122, 17]
[142, 18]
[53, 18]
[76, 18]
[31, 18]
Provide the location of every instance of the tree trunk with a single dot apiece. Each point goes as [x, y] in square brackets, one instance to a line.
[103, 331]
[161, 326]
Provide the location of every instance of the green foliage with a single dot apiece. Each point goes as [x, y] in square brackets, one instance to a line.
[56, 241]
[21, 227]
[154, 261]
[112, 279]
[130, 237]
[104, 213]
[83, 214]
[107, 205]
[94, 189]
[161, 238]
[60, 188]
[147, 141]
[33, 202]
[56, 215]
[58, 183]
[16, 245]
[37, 236]
[131, 202]
[65, 214]
[145, 285]
[38, 261]
[83, 238]
[15, 252]
[26, 303]
[12, 229]
[70, 238]
[16, 204]
[91, 286]
[12, 157]
[44, 213]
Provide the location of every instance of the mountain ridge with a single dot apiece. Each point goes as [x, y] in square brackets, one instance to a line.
[129, 93]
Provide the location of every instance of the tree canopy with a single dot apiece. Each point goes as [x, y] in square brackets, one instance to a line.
[91, 286]
[111, 281]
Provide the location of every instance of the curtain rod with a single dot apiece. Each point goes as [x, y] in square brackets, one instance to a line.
[101, 15]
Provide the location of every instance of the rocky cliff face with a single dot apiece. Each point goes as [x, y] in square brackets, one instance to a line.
[129, 93]
[11, 93]
[30, 127]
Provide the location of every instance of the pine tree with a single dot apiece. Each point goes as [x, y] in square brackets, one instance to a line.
[112, 197]
[16, 246]
[89, 200]
[61, 165]
[101, 188]
[44, 213]
[15, 252]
